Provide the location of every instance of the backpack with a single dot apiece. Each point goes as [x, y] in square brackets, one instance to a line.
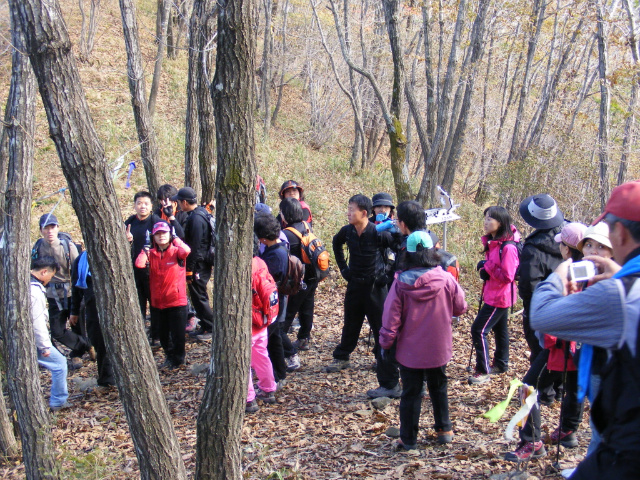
[65, 241]
[313, 251]
[210, 254]
[449, 263]
[264, 295]
[293, 281]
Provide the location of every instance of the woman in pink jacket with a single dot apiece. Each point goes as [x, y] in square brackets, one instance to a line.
[499, 292]
[417, 322]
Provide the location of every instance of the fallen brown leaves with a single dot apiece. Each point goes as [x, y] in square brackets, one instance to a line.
[322, 426]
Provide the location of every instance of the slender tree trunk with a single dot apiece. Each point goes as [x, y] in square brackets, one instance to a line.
[431, 103]
[267, 67]
[89, 28]
[283, 56]
[397, 139]
[19, 352]
[207, 12]
[192, 128]
[135, 72]
[603, 127]
[537, 16]
[221, 413]
[89, 179]
[629, 122]
[164, 9]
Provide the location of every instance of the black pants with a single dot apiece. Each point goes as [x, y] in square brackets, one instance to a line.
[365, 299]
[105, 367]
[276, 352]
[200, 298]
[70, 338]
[141, 276]
[302, 303]
[411, 400]
[571, 408]
[608, 463]
[172, 322]
[496, 319]
[529, 334]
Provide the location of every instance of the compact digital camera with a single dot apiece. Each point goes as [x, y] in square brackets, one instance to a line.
[582, 271]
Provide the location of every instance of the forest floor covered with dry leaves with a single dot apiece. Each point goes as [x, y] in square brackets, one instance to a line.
[322, 426]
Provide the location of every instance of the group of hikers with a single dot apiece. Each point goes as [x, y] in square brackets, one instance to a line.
[582, 333]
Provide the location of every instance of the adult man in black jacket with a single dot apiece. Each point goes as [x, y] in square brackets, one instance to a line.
[540, 255]
[197, 234]
[366, 289]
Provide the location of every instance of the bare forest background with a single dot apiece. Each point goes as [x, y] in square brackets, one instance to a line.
[493, 100]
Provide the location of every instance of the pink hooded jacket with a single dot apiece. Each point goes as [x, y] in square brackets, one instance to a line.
[500, 290]
[417, 317]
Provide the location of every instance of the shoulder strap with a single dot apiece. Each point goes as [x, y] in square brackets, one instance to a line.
[295, 231]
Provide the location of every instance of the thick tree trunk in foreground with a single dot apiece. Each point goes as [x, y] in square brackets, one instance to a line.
[20, 355]
[222, 409]
[88, 176]
[8, 444]
[135, 72]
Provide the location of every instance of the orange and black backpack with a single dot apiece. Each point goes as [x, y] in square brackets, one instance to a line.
[313, 251]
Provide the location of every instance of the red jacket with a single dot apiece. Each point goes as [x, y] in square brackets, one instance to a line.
[264, 296]
[167, 274]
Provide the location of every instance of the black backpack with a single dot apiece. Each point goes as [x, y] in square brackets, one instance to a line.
[65, 240]
[519, 246]
[210, 254]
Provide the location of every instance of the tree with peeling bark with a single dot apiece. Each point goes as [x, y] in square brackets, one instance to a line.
[88, 176]
[222, 410]
[23, 375]
[135, 73]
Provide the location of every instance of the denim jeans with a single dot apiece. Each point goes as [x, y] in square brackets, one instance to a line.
[56, 363]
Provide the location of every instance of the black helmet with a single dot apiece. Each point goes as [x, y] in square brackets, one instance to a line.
[291, 184]
[382, 200]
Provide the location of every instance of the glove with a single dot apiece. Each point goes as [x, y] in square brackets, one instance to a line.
[381, 217]
[387, 226]
[480, 265]
[346, 273]
[484, 275]
[168, 211]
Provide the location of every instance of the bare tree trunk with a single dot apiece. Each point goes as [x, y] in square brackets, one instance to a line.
[537, 16]
[222, 410]
[89, 28]
[164, 8]
[88, 176]
[266, 68]
[603, 127]
[19, 352]
[135, 72]
[629, 122]
[283, 56]
[192, 127]
[431, 93]
[207, 11]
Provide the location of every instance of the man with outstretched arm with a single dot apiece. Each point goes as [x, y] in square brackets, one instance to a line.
[605, 315]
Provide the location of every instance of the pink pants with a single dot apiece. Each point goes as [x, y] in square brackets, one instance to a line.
[261, 363]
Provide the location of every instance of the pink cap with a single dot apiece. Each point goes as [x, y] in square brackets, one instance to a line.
[571, 234]
[161, 227]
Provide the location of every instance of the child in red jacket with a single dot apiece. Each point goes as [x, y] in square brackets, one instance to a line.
[167, 279]
[264, 312]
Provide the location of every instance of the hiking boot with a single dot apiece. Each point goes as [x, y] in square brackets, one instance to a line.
[64, 406]
[293, 363]
[336, 365]
[394, 392]
[266, 397]
[495, 370]
[154, 343]
[525, 451]
[567, 439]
[479, 378]
[92, 354]
[444, 437]
[76, 363]
[205, 337]
[400, 445]
[252, 407]
[168, 365]
[302, 344]
[280, 384]
[192, 324]
[199, 331]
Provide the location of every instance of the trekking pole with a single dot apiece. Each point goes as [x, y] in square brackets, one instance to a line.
[556, 465]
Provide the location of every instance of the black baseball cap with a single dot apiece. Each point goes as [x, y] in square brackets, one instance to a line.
[48, 219]
[185, 193]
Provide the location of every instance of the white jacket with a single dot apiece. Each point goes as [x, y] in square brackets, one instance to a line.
[40, 315]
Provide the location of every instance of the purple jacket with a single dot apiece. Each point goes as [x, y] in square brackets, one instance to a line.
[500, 290]
[417, 317]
